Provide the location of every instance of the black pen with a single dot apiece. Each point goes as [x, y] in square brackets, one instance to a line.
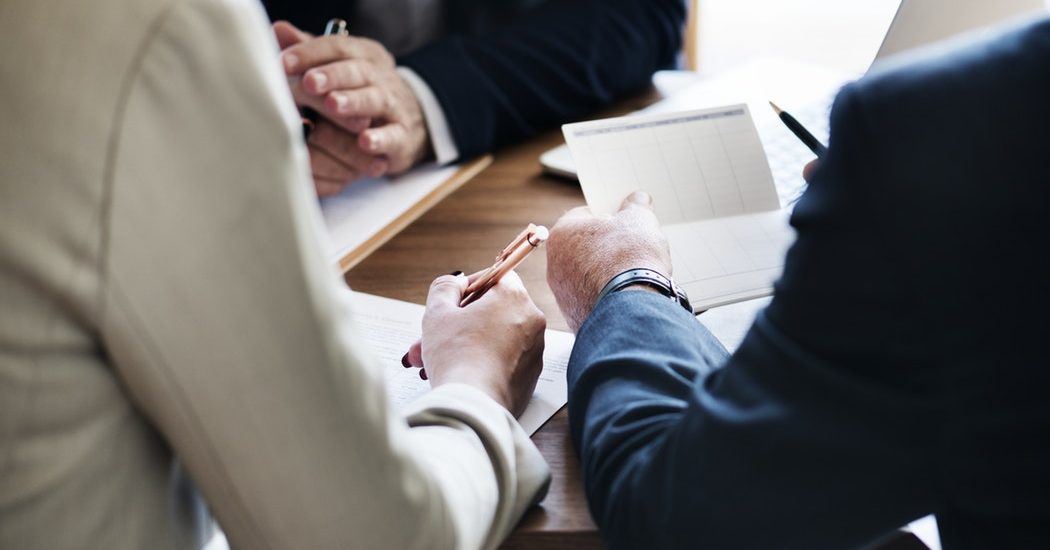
[335, 27]
[800, 131]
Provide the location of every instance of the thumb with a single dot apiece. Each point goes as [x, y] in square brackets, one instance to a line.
[288, 34]
[810, 169]
[637, 199]
[446, 291]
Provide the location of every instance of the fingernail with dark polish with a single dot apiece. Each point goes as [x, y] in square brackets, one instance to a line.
[456, 273]
[404, 361]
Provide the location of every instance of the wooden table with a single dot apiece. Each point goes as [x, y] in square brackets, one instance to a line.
[463, 233]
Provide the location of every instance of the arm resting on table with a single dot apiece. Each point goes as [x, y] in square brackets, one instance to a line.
[815, 433]
[561, 62]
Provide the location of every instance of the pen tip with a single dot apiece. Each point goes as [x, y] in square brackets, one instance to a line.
[775, 108]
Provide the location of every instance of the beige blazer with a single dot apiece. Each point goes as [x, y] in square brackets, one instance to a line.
[165, 306]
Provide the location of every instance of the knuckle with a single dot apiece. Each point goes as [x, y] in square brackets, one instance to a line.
[344, 47]
[352, 73]
[539, 320]
[379, 99]
[354, 102]
[442, 282]
[364, 73]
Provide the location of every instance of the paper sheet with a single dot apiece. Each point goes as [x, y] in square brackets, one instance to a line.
[366, 207]
[804, 90]
[391, 326]
[712, 190]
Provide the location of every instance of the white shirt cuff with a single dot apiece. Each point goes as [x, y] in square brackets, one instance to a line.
[445, 150]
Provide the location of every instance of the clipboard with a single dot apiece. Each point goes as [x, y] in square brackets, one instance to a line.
[369, 213]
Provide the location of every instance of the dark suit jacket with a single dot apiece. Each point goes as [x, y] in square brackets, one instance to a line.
[902, 368]
[511, 68]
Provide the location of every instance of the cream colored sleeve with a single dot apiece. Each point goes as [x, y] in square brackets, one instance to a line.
[234, 336]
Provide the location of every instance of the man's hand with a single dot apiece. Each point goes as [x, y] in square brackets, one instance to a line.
[354, 83]
[494, 344]
[336, 160]
[810, 169]
[585, 251]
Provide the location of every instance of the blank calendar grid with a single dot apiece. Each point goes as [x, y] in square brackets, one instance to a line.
[698, 168]
[712, 189]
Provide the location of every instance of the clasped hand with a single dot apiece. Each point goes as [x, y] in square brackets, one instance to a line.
[372, 123]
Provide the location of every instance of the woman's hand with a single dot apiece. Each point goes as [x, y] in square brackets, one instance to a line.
[494, 344]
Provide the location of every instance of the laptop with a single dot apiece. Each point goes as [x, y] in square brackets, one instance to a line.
[807, 91]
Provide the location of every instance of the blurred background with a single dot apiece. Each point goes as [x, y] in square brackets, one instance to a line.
[836, 34]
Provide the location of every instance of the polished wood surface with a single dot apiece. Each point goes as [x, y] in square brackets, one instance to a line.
[465, 232]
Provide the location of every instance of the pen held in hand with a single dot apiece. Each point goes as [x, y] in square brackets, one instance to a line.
[335, 27]
[800, 131]
[509, 258]
[513, 254]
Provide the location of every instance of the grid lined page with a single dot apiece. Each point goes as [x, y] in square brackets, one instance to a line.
[712, 190]
[697, 165]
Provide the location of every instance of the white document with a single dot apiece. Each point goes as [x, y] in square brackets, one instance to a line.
[729, 324]
[804, 90]
[365, 208]
[712, 189]
[391, 326]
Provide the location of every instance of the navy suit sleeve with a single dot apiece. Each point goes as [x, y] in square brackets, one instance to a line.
[559, 63]
[788, 443]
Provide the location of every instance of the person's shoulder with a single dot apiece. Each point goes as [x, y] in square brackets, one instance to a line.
[968, 103]
[1009, 62]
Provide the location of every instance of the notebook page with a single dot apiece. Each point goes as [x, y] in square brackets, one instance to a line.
[391, 326]
[697, 165]
[712, 190]
[365, 207]
[727, 260]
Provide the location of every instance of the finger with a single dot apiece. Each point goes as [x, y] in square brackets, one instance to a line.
[510, 285]
[361, 102]
[414, 357]
[578, 213]
[637, 199]
[637, 209]
[297, 58]
[288, 34]
[342, 147]
[511, 281]
[329, 188]
[809, 169]
[446, 291]
[323, 165]
[476, 275]
[341, 75]
[353, 124]
[384, 140]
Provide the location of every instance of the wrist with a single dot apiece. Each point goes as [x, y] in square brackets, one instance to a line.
[634, 287]
[647, 278]
[475, 375]
[440, 144]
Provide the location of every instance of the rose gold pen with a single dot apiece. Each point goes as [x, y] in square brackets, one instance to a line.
[509, 258]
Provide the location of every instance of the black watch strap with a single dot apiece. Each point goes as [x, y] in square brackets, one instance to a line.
[642, 276]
